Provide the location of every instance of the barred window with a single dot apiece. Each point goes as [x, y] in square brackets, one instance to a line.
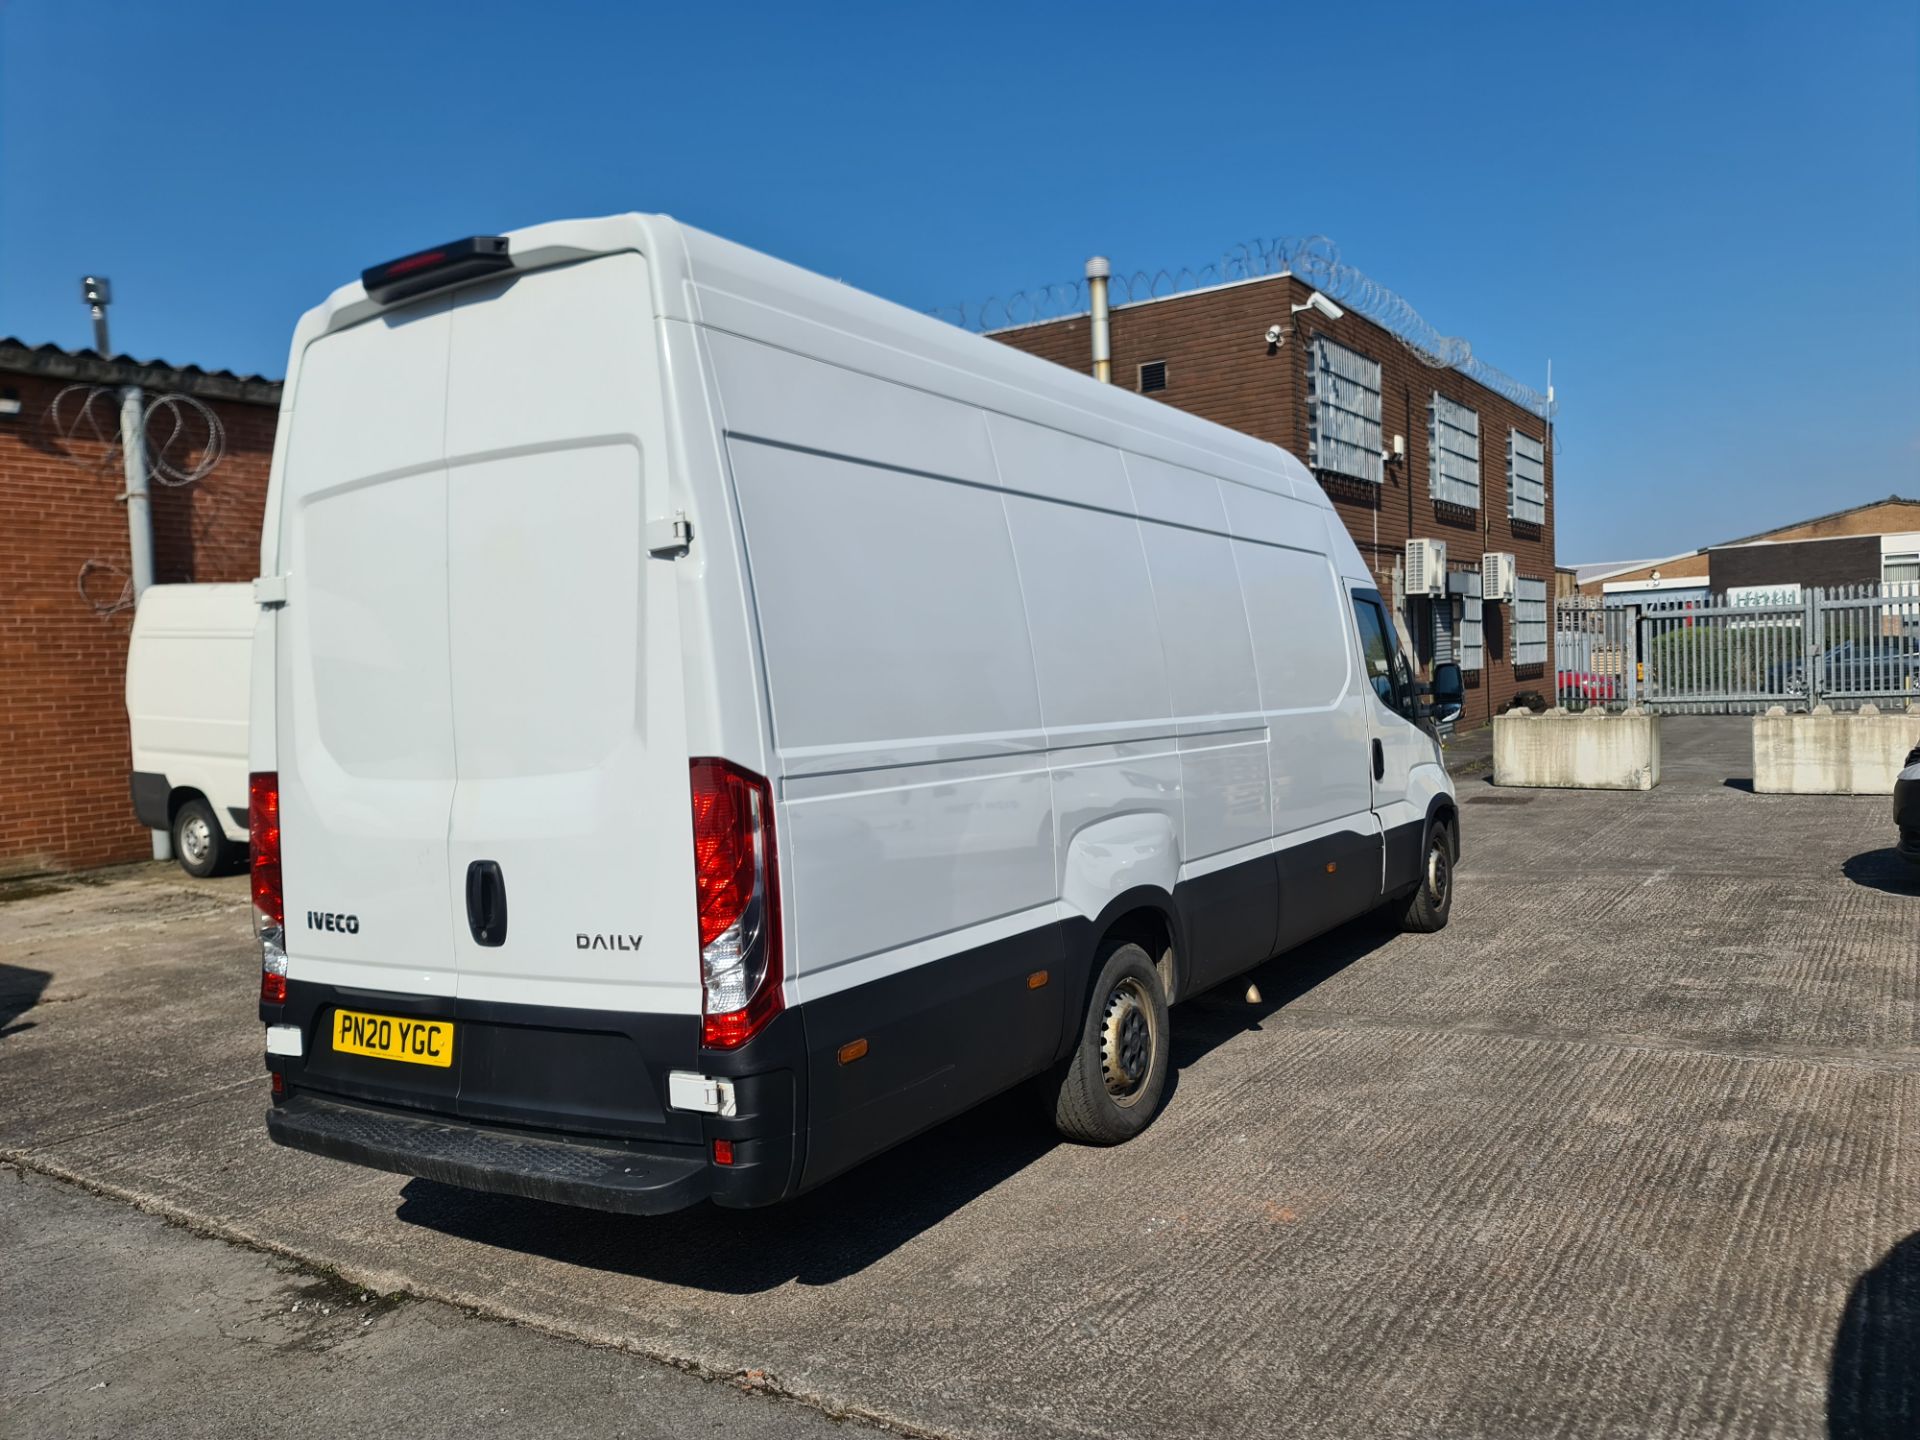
[1453, 452]
[1529, 621]
[1464, 585]
[1526, 478]
[1343, 417]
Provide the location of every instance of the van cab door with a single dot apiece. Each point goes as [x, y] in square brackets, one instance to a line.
[1397, 741]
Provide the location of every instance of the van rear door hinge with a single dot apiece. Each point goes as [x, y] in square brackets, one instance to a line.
[672, 536]
[270, 590]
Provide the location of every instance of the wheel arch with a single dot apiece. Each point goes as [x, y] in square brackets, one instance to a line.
[1442, 810]
[1145, 913]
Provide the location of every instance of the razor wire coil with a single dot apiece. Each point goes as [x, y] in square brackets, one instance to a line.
[185, 442]
[1314, 258]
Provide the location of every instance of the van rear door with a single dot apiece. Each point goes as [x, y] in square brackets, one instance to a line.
[571, 815]
[366, 754]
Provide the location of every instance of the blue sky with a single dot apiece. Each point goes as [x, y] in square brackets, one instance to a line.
[1707, 216]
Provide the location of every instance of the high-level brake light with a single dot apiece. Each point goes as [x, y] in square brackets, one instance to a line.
[736, 887]
[443, 265]
[269, 901]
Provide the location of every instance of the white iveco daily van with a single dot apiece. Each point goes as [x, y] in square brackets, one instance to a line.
[710, 724]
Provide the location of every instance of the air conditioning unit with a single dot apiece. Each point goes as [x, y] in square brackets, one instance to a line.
[1426, 567]
[1496, 576]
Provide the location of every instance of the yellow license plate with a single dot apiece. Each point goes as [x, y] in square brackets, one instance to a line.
[394, 1037]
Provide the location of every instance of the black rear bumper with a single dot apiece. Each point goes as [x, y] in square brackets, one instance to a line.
[601, 1175]
[551, 1103]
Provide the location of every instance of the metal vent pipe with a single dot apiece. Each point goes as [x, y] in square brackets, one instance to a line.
[1097, 272]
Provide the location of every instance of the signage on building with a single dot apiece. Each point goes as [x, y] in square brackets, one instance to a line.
[1763, 597]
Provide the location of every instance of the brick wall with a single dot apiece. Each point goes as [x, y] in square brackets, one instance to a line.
[1220, 366]
[64, 754]
[1882, 517]
[1843, 560]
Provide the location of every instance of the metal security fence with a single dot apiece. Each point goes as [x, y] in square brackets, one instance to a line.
[1742, 652]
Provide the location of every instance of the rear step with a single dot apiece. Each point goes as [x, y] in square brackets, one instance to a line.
[567, 1172]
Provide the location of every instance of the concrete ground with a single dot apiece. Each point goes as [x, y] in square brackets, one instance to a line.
[121, 1325]
[1632, 1148]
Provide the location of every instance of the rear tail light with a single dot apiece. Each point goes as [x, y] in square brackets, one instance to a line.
[738, 898]
[269, 903]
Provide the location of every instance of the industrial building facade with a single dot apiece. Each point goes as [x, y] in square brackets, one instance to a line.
[1877, 543]
[65, 564]
[1406, 450]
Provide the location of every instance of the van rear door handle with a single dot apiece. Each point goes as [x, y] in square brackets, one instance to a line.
[1379, 761]
[486, 902]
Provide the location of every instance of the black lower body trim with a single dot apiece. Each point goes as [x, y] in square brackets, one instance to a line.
[151, 797]
[935, 1039]
[1906, 815]
[631, 1179]
[1406, 854]
[1230, 918]
[1326, 882]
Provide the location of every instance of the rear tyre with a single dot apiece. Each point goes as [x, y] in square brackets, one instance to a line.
[1431, 902]
[198, 843]
[1110, 1088]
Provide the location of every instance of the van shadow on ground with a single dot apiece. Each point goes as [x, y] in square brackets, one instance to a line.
[20, 991]
[1873, 1388]
[1883, 870]
[865, 1215]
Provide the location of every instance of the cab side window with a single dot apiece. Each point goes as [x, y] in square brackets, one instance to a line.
[1380, 658]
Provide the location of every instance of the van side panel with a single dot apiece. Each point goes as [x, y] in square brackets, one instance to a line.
[1311, 694]
[1106, 699]
[916, 817]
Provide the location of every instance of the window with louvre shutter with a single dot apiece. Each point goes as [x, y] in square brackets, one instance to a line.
[1453, 453]
[1343, 414]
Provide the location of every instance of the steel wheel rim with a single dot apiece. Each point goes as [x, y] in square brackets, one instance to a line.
[1439, 872]
[1129, 1041]
[196, 839]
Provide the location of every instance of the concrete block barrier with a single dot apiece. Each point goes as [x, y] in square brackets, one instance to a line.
[1828, 753]
[1589, 751]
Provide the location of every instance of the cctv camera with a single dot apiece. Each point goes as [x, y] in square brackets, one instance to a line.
[1274, 334]
[1317, 301]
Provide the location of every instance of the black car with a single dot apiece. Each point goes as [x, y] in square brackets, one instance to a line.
[1906, 808]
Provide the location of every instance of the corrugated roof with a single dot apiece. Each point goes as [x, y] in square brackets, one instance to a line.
[90, 366]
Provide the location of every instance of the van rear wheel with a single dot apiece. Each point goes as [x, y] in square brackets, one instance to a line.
[198, 843]
[1110, 1088]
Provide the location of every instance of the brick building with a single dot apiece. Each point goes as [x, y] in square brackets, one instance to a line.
[64, 561]
[1206, 351]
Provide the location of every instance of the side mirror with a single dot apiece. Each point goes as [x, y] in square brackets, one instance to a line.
[1449, 692]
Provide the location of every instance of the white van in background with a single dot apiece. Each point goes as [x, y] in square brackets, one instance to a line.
[711, 724]
[187, 675]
